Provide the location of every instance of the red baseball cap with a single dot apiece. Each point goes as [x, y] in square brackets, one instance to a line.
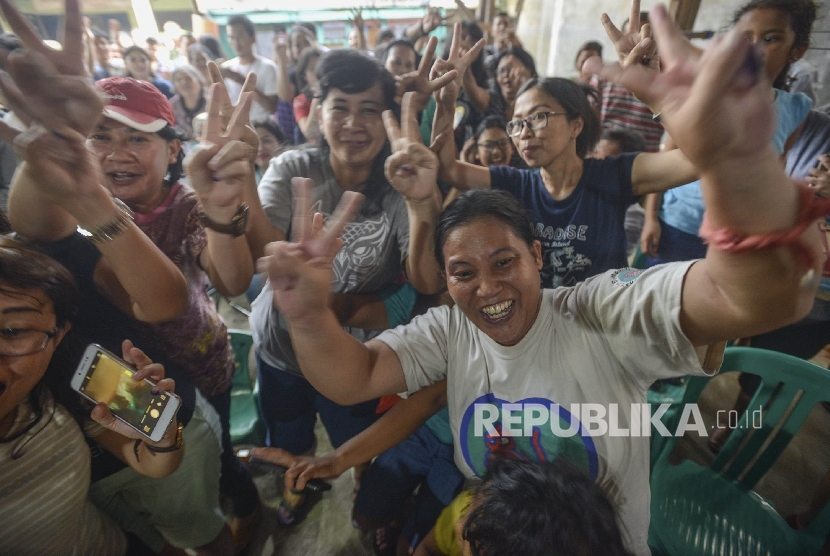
[135, 103]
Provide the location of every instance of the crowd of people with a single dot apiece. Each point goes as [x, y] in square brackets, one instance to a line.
[435, 240]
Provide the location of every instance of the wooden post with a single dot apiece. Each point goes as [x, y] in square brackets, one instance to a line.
[684, 13]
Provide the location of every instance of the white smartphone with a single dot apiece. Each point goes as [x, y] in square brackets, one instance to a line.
[105, 378]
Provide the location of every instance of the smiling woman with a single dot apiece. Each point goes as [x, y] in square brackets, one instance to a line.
[37, 297]
[354, 92]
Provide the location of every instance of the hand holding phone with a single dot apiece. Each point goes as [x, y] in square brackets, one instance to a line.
[313, 485]
[127, 401]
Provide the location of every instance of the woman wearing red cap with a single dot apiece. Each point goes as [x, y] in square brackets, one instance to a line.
[200, 229]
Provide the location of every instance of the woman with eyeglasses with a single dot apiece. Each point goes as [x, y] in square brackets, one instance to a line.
[578, 204]
[490, 145]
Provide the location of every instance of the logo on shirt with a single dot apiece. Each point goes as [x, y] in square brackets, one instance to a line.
[625, 276]
[528, 430]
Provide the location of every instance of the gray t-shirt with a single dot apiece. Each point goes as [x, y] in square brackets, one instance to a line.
[374, 245]
[588, 359]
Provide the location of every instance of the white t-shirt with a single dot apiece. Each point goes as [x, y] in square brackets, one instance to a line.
[266, 82]
[603, 341]
[44, 486]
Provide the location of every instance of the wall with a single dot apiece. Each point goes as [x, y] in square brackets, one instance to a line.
[553, 30]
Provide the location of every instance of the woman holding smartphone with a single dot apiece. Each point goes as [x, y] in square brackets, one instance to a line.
[127, 282]
[37, 298]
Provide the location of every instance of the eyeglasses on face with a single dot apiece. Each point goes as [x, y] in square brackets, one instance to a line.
[16, 342]
[535, 122]
[490, 146]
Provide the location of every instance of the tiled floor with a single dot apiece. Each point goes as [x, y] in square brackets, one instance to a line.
[327, 530]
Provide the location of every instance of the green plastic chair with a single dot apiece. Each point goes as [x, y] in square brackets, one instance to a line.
[700, 511]
[639, 260]
[247, 426]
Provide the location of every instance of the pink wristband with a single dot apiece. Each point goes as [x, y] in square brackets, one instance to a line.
[731, 241]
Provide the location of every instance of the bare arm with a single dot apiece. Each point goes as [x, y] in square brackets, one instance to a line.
[392, 428]
[120, 439]
[285, 88]
[300, 274]
[259, 232]
[717, 110]
[412, 169]
[455, 173]
[650, 236]
[657, 172]
[219, 169]
[479, 96]
[308, 123]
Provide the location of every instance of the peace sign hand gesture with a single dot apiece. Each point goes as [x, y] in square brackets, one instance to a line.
[48, 85]
[412, 169]
[635, 46]
[227, 108]
[300, 270]
[219, 166]
[460, 59]
[420, 81]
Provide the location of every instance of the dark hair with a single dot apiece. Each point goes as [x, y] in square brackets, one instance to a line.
[174, 170]
[352, 71]
[802, 14]
[590, 45]
[198, 47]
[310, 26]
[489, 122]
[244, 22]
[501, 14]
[406, 43]
[98, 34]
[477, 67]
[386, 35]
[271, 127]
[151, 40]
[135, 48]
[629, 141]
[24, 268]
[538, 509]
[573, 97]
[523, 55]
[213, 45]
[481, 203]
[306, 57]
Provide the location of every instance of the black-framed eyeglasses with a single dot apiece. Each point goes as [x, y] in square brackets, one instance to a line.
[17, 342]
[490, 146]
[535, 122]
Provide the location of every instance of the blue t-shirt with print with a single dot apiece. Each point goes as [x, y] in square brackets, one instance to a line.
[683, 206]
[582, 235]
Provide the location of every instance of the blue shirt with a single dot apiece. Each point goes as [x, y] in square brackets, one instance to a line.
[683, 206]
[582, 235]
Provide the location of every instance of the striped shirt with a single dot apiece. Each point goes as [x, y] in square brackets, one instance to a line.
[620, 109]
[44, 482]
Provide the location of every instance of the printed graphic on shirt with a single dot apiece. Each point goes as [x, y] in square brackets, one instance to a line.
[563, 264]
[625, 276]
[363, 249]
[533, 429]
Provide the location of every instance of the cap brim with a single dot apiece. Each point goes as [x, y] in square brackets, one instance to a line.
[134, 119]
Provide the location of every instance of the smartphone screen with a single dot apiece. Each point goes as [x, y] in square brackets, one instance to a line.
[109, 382]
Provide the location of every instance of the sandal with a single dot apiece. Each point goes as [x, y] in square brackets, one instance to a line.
[385, 540]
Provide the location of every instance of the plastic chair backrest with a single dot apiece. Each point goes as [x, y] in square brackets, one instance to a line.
[241, 343]
[639, 260]
[790, 388]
